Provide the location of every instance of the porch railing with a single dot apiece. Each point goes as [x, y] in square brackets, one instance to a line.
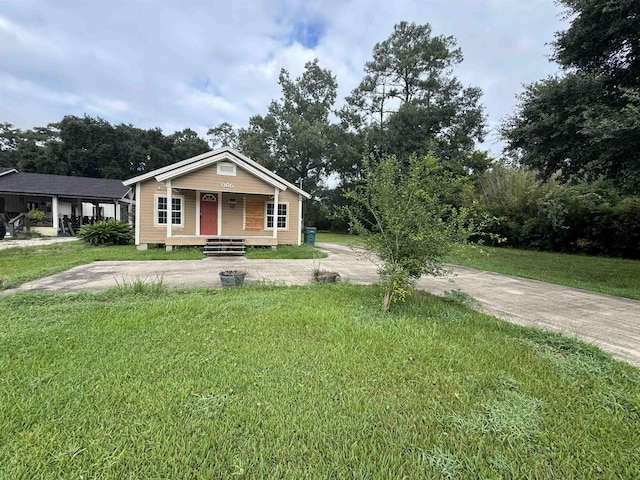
[16, 224]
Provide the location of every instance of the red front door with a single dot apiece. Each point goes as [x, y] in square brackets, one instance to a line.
[208, 214]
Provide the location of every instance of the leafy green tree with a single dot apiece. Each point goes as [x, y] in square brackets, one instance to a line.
[603, 39]
[586, 124]
[224, 135]
[187, 144]
[11, 138]
[402, 217]
[410, 102]
[292, 138]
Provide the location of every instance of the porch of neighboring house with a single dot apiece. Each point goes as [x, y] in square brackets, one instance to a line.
[66, 202]
[63, 215]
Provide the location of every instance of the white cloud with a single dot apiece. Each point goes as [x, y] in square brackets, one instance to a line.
[195, 64]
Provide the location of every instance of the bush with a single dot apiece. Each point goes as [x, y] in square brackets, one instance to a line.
[589, 219]
[107, 232]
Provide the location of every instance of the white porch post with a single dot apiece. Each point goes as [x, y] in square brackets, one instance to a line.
[117, 208]
[169, 208]
[275, 213]
[299, 219]
[54, 213]
[198, 213]
[136, 218]
[219, 213]
[79, 211]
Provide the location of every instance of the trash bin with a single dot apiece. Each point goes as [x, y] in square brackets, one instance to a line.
[310, 235]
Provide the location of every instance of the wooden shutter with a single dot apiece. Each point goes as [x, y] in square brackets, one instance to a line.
[255, 213]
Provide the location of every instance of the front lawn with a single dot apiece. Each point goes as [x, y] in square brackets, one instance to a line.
[301, 382]
[23, 264]
[284, 252]
[613, 276]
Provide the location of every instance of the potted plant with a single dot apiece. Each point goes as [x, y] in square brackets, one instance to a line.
[323, 276]
[232, 278]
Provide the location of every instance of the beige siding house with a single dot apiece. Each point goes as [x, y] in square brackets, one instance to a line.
[219, 194]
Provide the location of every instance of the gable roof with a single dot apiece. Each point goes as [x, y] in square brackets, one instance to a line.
[214, 156]
[7, 170]
[61, 185]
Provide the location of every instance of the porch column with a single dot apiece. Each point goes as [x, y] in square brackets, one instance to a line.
[299, 219]
[79, 211]
[136, 218]
[169, 208]
[275, 213]
[54, 214]
[198, 213]
[117, 208]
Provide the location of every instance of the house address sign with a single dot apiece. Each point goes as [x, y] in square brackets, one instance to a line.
[226, 185]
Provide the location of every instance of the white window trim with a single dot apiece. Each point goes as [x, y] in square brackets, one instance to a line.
[169, 211]
[275, 222]
[226, 164]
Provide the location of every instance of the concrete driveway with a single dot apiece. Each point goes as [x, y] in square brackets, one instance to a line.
[612, 323]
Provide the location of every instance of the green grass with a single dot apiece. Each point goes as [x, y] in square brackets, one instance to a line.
[285, 252]
[328, 237]
[23, 264]
[613, 276]
[250, 383]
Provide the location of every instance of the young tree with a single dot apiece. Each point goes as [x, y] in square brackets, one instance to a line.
[403, 218]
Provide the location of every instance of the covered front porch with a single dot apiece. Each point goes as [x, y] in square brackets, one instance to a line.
[63, 203]
[212, 219]
[63, 216]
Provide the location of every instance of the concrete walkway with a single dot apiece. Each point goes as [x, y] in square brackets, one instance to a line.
[33, 242]
[612, 323]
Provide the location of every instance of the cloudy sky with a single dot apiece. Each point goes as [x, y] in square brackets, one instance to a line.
[196, 63]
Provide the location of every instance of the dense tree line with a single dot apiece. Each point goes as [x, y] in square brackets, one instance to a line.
[92, 147]
[574, 185]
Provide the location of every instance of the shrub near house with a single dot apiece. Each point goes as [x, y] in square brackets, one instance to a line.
[107, 232]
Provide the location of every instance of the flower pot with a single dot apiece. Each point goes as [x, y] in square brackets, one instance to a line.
[326, 277]
[232, 278]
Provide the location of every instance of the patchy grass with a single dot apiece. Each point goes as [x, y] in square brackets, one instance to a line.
[249, 382]
[23, 264]
[284, 252]
[613, 276]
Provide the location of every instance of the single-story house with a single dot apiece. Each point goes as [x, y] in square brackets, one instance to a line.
[64, 199]
[221, 195]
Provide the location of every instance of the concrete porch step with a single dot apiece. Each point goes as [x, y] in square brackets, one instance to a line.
[216, 247]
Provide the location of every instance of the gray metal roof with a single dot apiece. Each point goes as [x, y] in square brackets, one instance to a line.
[60, 185]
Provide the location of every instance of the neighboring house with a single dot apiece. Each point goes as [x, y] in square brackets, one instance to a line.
[220, 194]
[61, 197]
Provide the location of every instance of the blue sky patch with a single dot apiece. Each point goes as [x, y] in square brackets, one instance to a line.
[308, 33]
